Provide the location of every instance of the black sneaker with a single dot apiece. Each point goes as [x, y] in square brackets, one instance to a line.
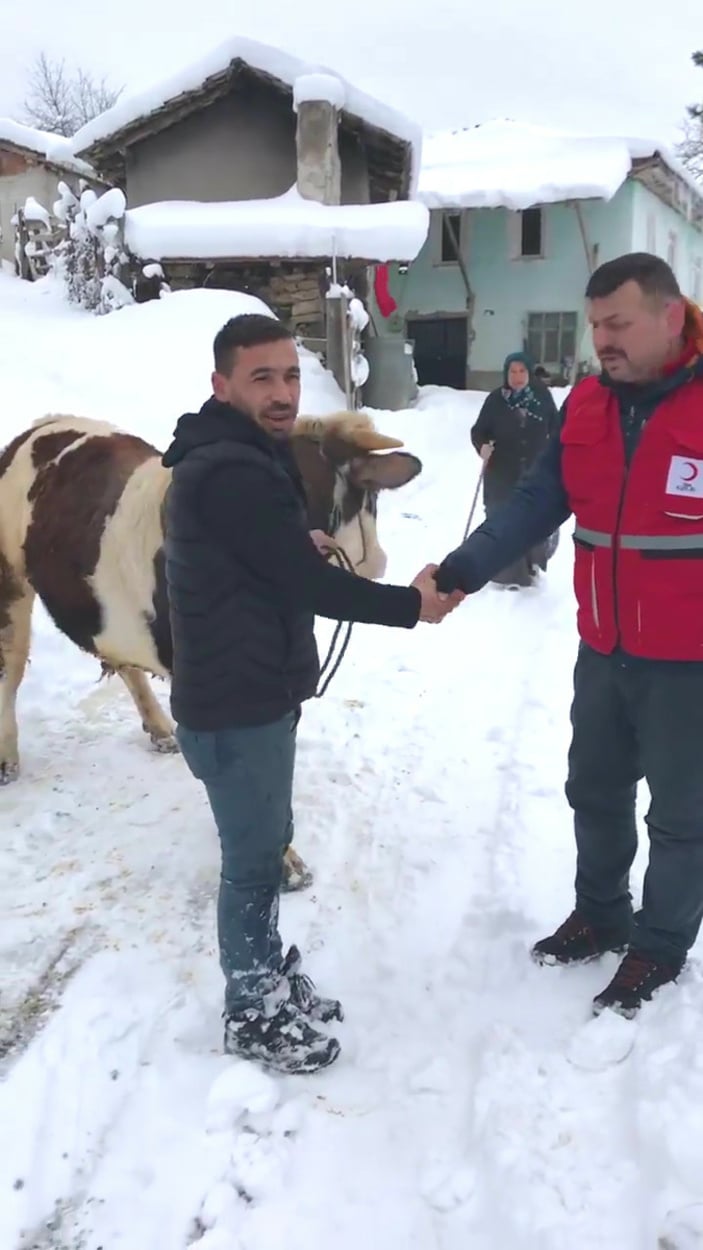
[284, 1041]
[302, 991]
[577, 941]
[634, 983]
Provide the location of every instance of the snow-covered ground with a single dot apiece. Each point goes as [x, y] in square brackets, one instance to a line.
[473, 1104]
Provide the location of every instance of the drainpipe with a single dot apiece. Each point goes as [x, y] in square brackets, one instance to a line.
[470, 297]
[590, 255]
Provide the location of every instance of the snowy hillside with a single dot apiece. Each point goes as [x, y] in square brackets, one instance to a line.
[474, 1105]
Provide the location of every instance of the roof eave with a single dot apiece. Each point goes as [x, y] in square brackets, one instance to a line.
[655, 173]
[105, 150]
[50, 162]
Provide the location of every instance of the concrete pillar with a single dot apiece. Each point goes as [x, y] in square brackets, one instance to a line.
[319, 166]
[338, 352]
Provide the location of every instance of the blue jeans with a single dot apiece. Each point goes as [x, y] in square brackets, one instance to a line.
[248, 776]
[631, 719]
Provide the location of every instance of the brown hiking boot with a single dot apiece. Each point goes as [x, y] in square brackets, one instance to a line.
[576, 941]
[634, 983]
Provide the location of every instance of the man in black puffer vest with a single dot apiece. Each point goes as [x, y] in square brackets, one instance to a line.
[245, 580]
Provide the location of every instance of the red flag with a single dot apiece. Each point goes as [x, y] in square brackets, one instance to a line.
[384, 299]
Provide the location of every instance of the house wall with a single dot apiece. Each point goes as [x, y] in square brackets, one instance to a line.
[241, 147]
[355, 169]
[653, 224]
[507, 288]
[14, 188]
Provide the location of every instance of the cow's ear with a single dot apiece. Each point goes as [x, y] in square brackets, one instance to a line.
[384, 472]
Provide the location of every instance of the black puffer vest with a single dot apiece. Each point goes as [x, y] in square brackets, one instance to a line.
[237, 658]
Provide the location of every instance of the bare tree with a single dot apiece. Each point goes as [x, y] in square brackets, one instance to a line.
[61, 100]
[691, 148]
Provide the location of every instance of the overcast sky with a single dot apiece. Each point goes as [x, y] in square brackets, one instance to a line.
[617, 66]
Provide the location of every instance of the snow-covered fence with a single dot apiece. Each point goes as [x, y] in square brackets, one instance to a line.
[34, 238]
[81, 241]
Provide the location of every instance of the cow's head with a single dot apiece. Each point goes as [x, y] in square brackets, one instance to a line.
[345, 462]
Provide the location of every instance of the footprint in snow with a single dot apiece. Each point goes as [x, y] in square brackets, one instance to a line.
[683, 1229]
[248, 1136]
[434, 1078]
[448, 1186]
[604, 1041]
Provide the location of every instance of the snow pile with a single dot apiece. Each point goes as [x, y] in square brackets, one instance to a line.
[171, 337]
[515, 165]
[35, 212]
[101, 210]
[52, 148]
[273, 61]
[66, 204]
[327, 87]
[287, 225]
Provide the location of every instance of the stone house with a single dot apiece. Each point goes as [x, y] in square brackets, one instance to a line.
[250, 172]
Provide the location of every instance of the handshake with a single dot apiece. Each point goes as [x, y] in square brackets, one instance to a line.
[435, 606]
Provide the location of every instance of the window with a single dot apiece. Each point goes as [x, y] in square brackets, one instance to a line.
[651, 234]
[450, 222]
[672, 250]
[551, 337]
[531, 232]
[697, 283]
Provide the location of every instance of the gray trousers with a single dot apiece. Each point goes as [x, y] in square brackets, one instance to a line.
[635, 719]
[248, 776]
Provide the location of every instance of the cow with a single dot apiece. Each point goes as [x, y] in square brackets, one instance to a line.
[81, 526]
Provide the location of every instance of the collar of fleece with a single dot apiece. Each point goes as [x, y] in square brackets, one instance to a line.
[693, 337]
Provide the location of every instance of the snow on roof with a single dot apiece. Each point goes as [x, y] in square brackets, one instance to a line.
[52, 148]
[269, 60]
[285, 226]
[515, 165]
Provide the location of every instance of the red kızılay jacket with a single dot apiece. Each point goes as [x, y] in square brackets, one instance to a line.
[638, 574]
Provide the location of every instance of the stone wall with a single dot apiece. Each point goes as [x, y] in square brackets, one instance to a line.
[294, 290]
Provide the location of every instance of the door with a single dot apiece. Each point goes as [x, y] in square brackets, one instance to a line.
[441, 348]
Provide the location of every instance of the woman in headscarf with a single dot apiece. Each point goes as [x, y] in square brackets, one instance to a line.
[515, 423]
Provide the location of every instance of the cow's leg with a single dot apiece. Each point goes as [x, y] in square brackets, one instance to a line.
[16, 603]
[155, 722]
[296, 874]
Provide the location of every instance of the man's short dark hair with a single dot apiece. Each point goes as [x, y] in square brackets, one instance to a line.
[652, 275]
[247, 330]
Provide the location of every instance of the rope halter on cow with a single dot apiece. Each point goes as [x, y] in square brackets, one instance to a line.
[340, 439]
[339, 554]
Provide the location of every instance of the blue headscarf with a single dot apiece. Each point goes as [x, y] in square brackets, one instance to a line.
[525, 402]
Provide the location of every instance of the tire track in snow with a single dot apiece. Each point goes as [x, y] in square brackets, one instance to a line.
[400, 928]
[71, 1086]
[559, 1141]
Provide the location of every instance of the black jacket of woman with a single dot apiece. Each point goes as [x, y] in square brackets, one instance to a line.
[519, 424]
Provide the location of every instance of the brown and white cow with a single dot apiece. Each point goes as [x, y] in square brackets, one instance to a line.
[81, 526]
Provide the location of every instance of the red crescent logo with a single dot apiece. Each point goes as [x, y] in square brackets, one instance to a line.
[692, 475]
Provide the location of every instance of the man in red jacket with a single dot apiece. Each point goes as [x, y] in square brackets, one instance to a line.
[629, 466]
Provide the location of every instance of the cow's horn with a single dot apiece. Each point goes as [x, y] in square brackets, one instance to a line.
[371, 440]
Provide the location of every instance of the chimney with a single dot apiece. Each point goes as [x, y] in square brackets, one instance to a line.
[317, 99]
